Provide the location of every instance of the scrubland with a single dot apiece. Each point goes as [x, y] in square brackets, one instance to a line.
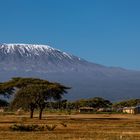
[73, 127]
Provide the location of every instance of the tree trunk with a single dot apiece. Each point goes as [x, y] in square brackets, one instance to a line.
[31, 113]
[40, 113]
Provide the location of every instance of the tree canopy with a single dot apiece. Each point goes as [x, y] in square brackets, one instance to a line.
[127, 103]
[34, 93]
[96, 102]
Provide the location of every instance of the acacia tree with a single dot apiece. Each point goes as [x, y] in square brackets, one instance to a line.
[18, 84]
[33, 93]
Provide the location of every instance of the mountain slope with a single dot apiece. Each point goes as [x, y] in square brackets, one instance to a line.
[29, 57]
[86, 79]
[42, 58]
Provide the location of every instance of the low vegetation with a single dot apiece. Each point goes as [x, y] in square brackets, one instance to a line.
[22, 127]
[51, 128]
[79, 127]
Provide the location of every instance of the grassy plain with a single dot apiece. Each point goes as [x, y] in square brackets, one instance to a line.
[78, 127]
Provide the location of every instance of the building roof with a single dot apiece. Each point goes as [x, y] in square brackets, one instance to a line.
[86, 108]
[131, 107]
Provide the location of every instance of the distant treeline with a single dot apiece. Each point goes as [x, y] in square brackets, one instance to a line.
[96, 102]
[32, 93]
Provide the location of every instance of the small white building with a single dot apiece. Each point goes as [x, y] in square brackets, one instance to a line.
[132, 110]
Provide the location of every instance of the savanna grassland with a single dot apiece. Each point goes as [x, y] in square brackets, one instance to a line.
[73, 127]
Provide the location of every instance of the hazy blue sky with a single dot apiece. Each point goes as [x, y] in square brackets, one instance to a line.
[101, 31]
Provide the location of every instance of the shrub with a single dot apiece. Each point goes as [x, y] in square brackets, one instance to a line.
[41, 128]
[63, 124]
[51, 128]
[22, 127]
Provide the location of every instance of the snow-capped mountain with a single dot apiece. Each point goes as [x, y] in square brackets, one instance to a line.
[41, 58]
[86, 79]
[44, 59]
[30, 50]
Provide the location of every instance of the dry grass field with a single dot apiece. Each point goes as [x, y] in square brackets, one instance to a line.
[78, 127]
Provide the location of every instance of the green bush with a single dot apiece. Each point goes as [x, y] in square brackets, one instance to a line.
[22, 127]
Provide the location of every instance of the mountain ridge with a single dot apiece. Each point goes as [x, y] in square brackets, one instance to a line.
[32, 50]
[87, 79]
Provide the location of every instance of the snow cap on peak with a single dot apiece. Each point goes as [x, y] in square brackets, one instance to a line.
[31, 49]
[28, 47]
[18, 45]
